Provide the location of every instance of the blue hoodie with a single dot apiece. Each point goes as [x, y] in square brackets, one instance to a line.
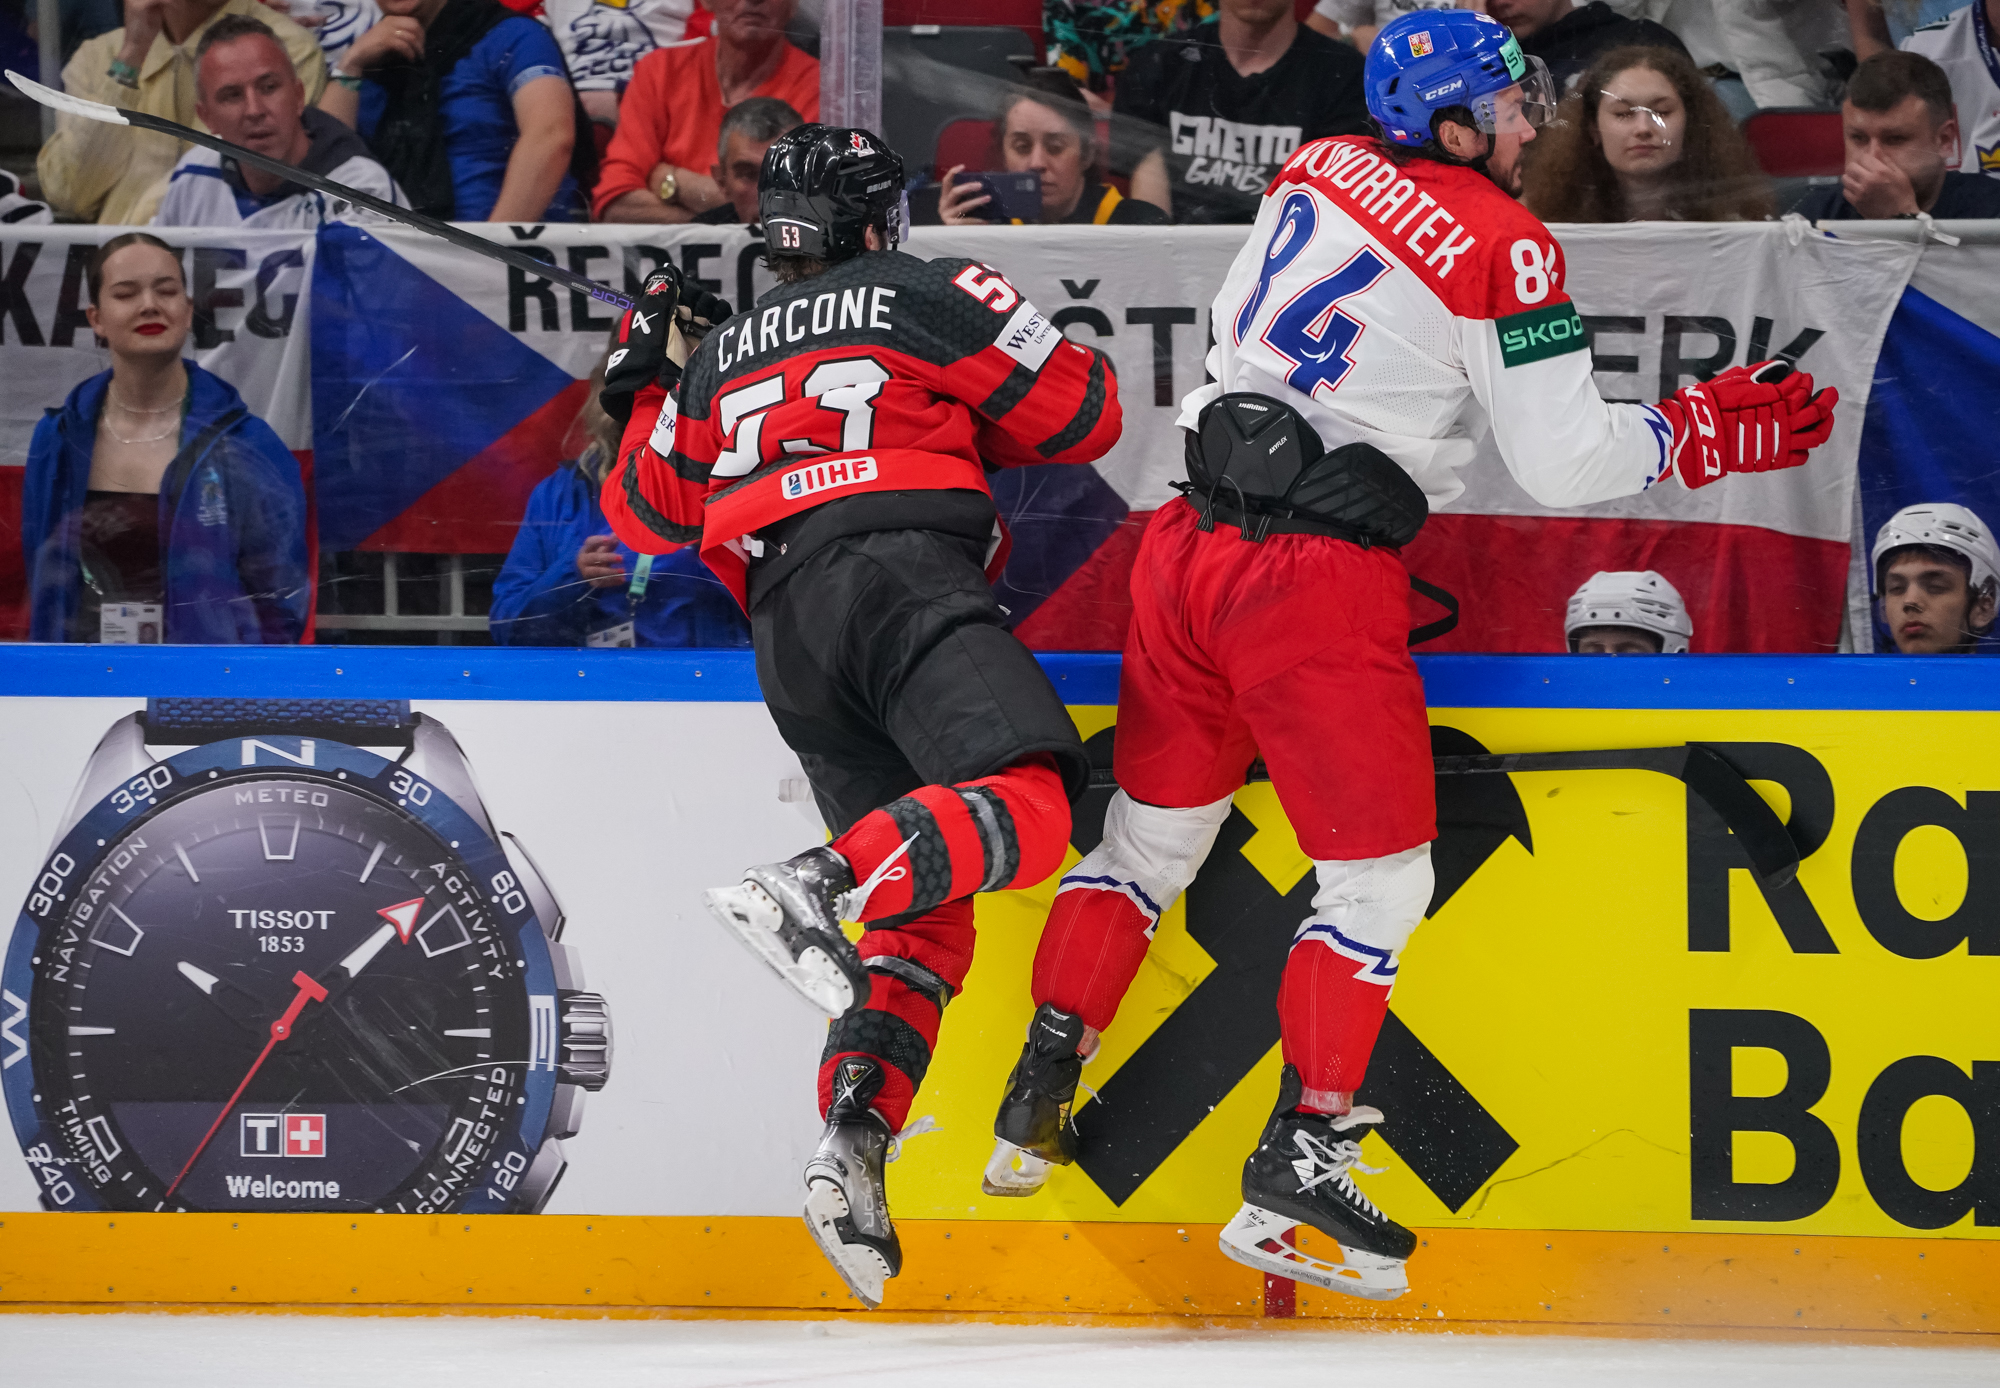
[232, 521]
[540, 600]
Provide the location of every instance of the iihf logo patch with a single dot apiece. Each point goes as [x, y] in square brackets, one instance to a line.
[1420, 44]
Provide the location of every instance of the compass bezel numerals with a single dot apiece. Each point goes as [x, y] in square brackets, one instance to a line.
[483, 1171]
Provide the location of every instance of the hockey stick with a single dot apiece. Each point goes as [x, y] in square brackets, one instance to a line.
[444, 231]
[1774, 857]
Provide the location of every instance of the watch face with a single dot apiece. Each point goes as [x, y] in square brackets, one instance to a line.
[309, 982]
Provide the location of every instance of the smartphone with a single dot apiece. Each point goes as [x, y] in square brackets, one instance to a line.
[1015, 195]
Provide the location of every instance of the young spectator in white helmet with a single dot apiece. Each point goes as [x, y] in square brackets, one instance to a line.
[1627, 613]
[1936, 571]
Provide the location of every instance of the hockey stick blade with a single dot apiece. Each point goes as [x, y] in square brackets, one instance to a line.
[507, 255]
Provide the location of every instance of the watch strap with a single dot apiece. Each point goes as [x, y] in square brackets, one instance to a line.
[375, 722]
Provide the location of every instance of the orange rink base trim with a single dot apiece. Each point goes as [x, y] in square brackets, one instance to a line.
[1052, 1271]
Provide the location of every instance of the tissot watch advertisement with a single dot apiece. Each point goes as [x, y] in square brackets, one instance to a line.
[293, 966]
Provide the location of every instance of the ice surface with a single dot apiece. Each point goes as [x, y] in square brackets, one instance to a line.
[165, 1351]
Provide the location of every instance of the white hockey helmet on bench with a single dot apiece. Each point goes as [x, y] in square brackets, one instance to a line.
[1946, 526]
[1628, 598]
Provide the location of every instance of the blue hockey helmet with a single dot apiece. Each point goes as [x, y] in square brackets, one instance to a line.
[1429, 61]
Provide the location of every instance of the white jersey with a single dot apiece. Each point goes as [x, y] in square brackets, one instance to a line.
[1964, 46]
[1414, 308]
[203, 191]
[602, 39]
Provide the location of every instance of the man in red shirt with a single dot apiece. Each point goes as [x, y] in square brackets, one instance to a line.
[672, 113]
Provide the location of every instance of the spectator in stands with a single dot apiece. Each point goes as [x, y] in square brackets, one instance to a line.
[1643, 139]
[1094, 42]
[468, 107]
[1569, 37]
[155, 506]
[1967, 47]
[1902, 140]
[569, 581]
[248, 94]
[1046, 129]
[1358, 21]
[115, 174]
[602, 42]
[1627, 613]
[672, 113]
[1937, 575]
[747, 131]
[1207, 121]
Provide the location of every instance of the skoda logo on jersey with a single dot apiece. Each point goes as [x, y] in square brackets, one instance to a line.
[1420, 44]
[1431, 96]
[823, 477]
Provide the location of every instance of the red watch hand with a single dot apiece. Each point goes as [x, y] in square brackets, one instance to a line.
[309, 991]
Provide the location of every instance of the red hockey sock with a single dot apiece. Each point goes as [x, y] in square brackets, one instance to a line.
[899, 1025]
[1328, 1017]
[1091, 947]
[1004, 830]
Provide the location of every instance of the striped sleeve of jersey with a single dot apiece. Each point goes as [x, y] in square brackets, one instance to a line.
[652, 496]
[1041, 398]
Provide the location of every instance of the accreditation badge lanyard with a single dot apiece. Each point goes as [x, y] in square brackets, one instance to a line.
[635, 592]
[626, 633]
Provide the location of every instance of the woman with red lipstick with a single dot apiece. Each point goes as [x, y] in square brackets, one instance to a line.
[155, 506]
[1644, 139]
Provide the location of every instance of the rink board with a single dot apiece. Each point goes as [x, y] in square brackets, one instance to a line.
[1597, 1003]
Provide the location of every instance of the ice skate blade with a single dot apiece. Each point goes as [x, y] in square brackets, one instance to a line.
[747, 911]
[860, 1267]
[1256, 1238]
[1002, 1178]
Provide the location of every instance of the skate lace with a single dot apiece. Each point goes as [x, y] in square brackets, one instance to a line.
[849, 905]
[926, 1124]
[1336, 1162]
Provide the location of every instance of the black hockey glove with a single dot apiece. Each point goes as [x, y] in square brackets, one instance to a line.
[653, 340]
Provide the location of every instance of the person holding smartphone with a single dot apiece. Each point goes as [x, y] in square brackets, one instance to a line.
[1045, 128]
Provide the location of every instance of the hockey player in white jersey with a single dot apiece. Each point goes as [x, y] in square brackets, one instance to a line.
[1393, 304]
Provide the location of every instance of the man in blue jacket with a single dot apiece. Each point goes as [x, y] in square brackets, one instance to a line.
[569, 582]
[232, 521]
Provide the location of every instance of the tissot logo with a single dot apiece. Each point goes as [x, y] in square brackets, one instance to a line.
[282, 1134]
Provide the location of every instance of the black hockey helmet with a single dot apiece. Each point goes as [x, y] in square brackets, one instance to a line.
[820, 188]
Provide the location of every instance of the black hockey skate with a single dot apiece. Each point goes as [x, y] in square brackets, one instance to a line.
[847, 1201]
[1299, 1179]
[789, 915]
[1033, 1126]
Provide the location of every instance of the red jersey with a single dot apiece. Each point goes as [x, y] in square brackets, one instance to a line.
[884, 374]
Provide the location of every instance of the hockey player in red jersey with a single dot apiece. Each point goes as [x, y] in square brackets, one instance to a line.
[828, 450]
[1393, 303]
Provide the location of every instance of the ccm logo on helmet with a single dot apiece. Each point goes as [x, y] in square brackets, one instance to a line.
[824, 477]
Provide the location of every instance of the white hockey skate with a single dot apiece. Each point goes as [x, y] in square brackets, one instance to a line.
[1299, 1183]
[847, 1198]
[786, 914]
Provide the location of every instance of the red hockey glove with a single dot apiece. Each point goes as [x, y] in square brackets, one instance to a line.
[653, 340]
[1749, 419]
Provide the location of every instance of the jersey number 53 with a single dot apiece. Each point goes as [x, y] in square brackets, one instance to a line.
[1309, 331]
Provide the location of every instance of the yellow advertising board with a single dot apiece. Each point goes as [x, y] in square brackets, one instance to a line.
[1653, 1043]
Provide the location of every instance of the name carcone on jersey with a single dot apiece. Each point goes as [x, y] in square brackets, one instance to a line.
[1412, 306]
